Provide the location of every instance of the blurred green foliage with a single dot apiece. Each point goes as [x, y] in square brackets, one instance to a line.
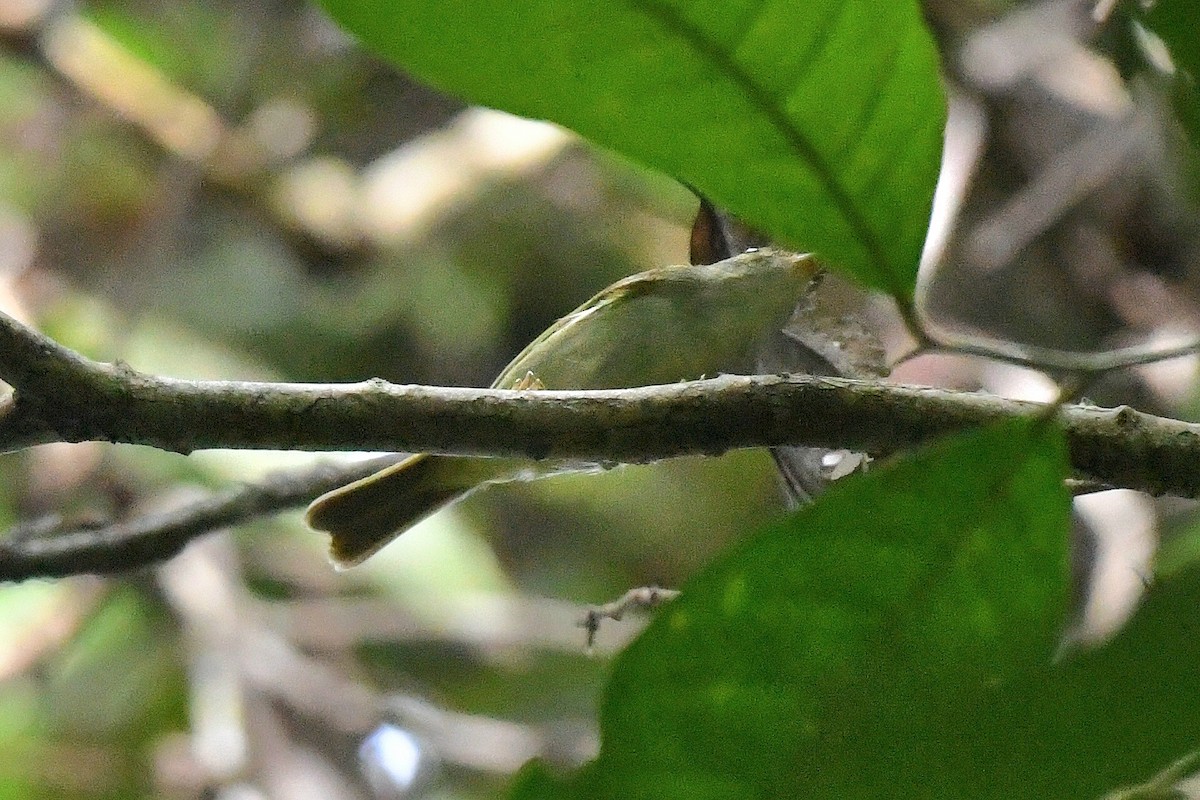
[85, 720]
[183, 268]
[344, 222]
[1157, 40]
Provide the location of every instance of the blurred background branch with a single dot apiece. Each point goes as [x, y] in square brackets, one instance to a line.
[45, 549]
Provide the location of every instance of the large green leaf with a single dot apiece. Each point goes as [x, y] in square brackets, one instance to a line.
[819, 121]
[818, 660]
[1100, 720]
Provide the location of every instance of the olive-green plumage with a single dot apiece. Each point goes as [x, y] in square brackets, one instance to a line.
[661, 326]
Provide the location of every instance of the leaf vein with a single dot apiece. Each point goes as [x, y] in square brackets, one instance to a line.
[775, 113]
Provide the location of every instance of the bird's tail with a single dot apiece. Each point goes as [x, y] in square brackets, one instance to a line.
[365, 515]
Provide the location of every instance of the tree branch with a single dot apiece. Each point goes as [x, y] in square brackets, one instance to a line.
[62, 396]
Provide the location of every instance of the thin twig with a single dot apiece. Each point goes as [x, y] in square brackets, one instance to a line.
[61, 396]
[642, 598]
[1052, 360]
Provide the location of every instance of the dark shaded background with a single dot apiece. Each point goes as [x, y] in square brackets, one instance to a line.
[233, 189]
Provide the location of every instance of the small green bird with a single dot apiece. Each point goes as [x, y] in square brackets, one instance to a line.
[660, 326]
